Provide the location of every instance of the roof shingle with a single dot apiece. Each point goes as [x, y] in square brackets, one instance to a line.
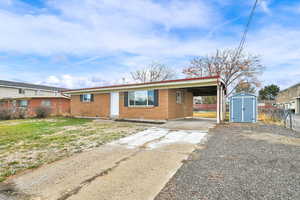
[29, 85]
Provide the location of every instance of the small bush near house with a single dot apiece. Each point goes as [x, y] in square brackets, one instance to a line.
[42, 111]
[5, 114]
[20, 113]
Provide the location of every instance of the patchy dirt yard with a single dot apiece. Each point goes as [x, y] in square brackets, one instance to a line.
[135, 167]
[240, 161]
[30, 143]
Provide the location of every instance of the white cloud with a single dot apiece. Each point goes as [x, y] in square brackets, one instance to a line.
[97, 28]
[173, 13]
[264, 6]
[93, 27]
[69, 81]
[277, 44]
[279, 48]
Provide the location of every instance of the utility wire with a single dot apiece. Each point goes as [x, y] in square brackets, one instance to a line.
[243, 39]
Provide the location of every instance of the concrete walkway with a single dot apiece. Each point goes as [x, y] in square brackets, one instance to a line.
[134, 168]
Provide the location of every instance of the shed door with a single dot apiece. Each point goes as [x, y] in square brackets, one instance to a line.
[248, 109]
[237, 106]
[114, 104]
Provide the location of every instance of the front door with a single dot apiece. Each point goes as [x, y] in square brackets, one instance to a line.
[114, 104]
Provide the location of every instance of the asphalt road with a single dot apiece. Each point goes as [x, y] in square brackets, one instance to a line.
[240, 162]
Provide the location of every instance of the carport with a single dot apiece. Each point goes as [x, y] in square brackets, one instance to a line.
[218, 90]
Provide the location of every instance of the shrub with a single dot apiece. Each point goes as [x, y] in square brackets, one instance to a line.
[20, 113]
[42, 111]
[6, 114]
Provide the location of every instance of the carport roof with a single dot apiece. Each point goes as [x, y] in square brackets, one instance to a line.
[177, 83]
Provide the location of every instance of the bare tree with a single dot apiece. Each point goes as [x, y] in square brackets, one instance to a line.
[153, 72]
[245, 87]
[232, 68]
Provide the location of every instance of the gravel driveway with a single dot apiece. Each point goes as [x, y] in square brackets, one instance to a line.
[240, 162]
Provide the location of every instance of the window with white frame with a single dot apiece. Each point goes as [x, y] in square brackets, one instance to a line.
[141, 98]
[46, 103]
[87, 97]
[179, 97]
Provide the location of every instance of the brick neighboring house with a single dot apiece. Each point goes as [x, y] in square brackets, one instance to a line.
[25, 96]
[290, 98]
[162, 100]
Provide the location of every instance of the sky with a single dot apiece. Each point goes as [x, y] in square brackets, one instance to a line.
[87, 43]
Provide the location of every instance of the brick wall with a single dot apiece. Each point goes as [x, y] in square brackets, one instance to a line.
[159, 112]
[167, 108]
[59, 106]
[185, 109]
[100, 107]
[205, 107]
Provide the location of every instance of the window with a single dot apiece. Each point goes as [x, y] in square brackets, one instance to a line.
[46, 103]
[141, 98]
[22, 103]
[179, 97]
[37, 92]
[21, 91]
[86, 97]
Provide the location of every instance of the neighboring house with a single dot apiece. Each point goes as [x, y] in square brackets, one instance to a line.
[266, 104]
[205, 107]
[162, 100]
[25, 96]
[290, 98]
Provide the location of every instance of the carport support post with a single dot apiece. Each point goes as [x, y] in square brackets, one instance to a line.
[221, 104]
[224, 104]
[218, 104]
[221, 109]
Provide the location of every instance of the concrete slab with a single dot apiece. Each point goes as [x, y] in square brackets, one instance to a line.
[134, 168]
[190, 124]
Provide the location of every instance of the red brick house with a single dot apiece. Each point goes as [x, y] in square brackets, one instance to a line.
[59, 106]
[162, 100]
[27, 97]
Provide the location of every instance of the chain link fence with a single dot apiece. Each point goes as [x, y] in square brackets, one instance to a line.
[286, 117]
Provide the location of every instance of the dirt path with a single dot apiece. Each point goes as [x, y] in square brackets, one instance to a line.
[134, 168]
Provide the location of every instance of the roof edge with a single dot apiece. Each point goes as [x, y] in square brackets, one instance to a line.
[293, 86]
[141, 84]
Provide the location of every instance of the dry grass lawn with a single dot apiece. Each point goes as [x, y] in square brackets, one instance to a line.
[273, 138]
[30, 143]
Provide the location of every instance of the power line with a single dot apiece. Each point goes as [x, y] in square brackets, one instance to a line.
[243, 39]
